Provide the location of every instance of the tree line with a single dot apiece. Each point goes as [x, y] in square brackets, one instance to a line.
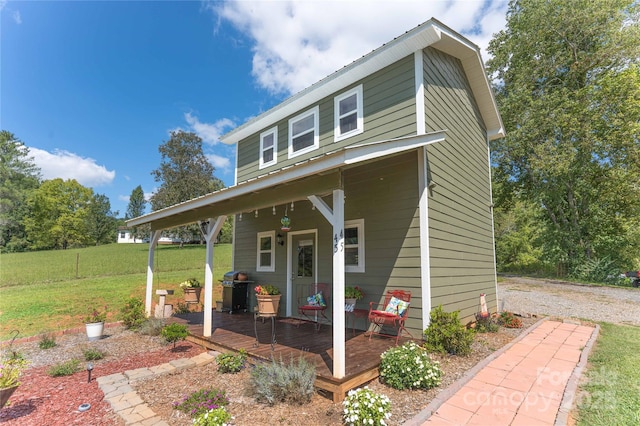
[37, 214]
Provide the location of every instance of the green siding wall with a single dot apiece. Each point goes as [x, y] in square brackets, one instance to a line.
[460, 221]
[389, 112]
[384, 194]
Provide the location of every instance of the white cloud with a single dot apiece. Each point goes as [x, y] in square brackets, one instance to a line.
[219, 162]
[16, 17]
[124, 198]
[210, 133]
[67, 165]
[296, 43]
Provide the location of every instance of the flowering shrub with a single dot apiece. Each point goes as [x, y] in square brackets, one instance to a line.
[353, 293]
[365, 407]
[11, 367]
[96, 315]
[409, 367]
[509, 320]
[214, 417]
[190, 283]
[230, 363]
[200, 402]
[266, 289]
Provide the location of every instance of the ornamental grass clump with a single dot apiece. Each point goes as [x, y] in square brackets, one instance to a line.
[200, 402]
[409, 367]
[365, 407]
[280, 382]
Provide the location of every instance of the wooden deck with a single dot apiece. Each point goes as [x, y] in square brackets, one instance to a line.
[232, 332]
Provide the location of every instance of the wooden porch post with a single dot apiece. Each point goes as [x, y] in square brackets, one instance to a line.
[336, 218]
[153, 242]
[210, 231]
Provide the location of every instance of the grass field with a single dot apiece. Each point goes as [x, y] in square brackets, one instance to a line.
[612, 394]
[52, 290]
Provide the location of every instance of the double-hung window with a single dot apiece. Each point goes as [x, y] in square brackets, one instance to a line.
[304, 132]
[348, 115]
[266, 252]
[354, 245]
[268, 148]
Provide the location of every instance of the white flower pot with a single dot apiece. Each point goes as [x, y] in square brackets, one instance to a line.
[94, 330]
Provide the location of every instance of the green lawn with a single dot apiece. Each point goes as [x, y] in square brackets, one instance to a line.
[39, 292]
[612, 394]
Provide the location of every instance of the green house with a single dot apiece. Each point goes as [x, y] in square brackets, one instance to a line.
[382, 169]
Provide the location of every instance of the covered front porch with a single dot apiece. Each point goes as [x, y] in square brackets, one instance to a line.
[294, 338]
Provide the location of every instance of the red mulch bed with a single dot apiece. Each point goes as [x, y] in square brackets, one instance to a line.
[44, 400]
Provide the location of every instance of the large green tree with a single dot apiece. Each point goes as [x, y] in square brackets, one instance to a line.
[568, 88]
[19, 176]
[101, 222]
[137, 207]
[184, 173]
[57, 217]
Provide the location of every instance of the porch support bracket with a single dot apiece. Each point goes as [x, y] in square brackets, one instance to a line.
[153, 242]
[335, 217]
[210, 230]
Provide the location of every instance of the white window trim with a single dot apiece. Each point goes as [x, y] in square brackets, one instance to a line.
[336, 114]
[263, 135]
[272, 267]
[315, 111]
[359, 224]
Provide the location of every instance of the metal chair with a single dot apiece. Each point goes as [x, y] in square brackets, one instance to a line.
[316, 303]
[392, 313]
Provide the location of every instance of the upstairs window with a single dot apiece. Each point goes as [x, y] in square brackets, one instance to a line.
[265, 261]
[268, 146]
[348, 116]
[303, 133]
[354, 245]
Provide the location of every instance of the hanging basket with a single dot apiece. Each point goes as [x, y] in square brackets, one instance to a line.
[268, 304]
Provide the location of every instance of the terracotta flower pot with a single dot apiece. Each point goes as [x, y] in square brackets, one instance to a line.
[5, 394]
[268, 304]
[192, 294]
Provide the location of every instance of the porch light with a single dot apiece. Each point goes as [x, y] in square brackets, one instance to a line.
[279, 240]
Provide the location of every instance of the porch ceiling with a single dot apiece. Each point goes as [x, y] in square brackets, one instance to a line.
[316, 176]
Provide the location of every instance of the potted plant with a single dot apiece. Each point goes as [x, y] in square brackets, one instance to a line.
[94, 322]
[351, 295]
[268, 299]
[192, 290]
[11, 367]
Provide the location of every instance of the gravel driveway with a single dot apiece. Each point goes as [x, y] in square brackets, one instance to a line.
[558, 298]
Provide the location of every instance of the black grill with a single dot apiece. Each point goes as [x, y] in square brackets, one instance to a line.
[235, 291]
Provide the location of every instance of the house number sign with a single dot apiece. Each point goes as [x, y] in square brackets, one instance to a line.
[340, 240]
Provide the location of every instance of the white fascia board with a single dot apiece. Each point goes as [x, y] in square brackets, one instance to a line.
[346, 156]
[418, 38]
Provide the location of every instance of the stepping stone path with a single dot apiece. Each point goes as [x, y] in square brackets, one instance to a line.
[124, 399]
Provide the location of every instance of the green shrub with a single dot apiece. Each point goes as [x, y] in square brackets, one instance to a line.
[151, 326]
[202, 401]
[231, 363]
[65, 369]
[213, 417]
[181, 308]
[446, 334]
[409, 367]
[174, 332]
[92, 354]
[132, 313]
[486, 324]
[279, 382]
[47, 341]
[365, 407]
[509, 320]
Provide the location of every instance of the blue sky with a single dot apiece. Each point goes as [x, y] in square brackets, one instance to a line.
[93, 88]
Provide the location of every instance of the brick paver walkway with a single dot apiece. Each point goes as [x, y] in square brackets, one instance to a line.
[531, 383]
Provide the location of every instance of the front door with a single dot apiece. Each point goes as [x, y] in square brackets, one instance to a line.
[303, 267]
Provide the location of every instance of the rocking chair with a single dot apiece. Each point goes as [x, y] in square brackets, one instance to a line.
[316, 303]
[393, 313]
